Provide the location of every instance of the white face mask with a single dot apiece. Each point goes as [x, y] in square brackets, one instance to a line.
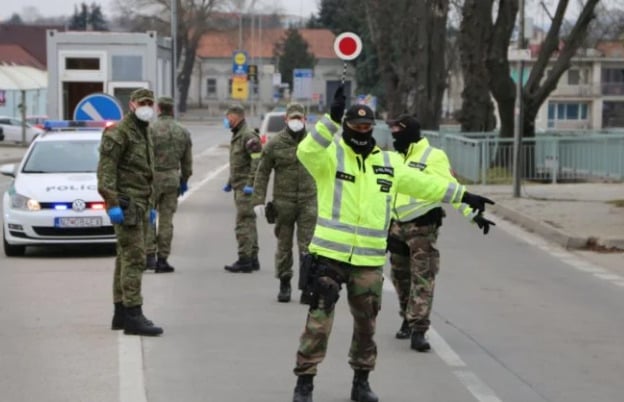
[145, 113]
[295, 125]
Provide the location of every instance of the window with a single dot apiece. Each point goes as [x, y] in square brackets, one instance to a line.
[127, 68]
[567, 111]
[82, 63]
[211, 87]
[574, 77]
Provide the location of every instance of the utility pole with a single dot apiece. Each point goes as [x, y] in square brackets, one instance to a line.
[174, 56]
[518, 126]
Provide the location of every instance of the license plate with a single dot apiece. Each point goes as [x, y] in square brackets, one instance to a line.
[78, 222]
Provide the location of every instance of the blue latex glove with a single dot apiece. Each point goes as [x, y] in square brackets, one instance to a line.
[152, 216]
[227, 188]
[116, 215]
[248, 190]
[183, 188]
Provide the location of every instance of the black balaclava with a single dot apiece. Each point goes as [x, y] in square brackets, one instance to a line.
[361, 143]
[409, 133]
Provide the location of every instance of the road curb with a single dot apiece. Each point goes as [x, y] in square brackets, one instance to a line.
[547, 231]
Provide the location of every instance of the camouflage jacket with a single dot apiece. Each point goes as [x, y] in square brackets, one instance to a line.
[173, 158]
[292, 181]
[245, 149]
[126, 163]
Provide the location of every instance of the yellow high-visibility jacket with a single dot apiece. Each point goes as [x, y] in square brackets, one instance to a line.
[422, 157]
[355, 195]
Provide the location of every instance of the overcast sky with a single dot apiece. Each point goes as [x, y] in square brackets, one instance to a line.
[66, 7]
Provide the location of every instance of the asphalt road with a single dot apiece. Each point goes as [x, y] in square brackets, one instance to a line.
[515, 320]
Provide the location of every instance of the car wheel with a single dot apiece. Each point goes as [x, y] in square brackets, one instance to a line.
[12, 250]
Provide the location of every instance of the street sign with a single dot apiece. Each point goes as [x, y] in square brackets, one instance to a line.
[302, 83]
[98, 106]
[368, 100]
[239, 62]
[252, 74]
[347, 46]
[240, 87]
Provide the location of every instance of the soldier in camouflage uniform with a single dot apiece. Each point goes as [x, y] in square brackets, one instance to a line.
[245, 150]
[294, 195]
[125, 174]
[414, 258]
[173, 165]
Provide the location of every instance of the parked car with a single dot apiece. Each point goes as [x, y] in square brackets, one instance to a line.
[12, 130]
[272, 123]
[53, 199]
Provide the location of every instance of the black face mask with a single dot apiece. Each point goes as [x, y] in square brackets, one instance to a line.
[403, 139]
[361, 143]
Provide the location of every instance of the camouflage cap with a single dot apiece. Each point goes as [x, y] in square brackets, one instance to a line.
[141, 94]
[165, 101]
[236, 108]
[295, 109]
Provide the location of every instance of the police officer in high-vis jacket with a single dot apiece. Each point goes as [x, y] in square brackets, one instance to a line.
[414, 258]
[356, 185]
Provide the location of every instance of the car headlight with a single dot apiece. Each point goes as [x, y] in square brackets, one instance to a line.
[19, 201]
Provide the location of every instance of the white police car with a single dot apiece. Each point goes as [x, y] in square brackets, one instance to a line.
[53, 197]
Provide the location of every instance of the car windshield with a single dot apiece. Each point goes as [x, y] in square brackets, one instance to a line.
[276, 123]
[63, 157]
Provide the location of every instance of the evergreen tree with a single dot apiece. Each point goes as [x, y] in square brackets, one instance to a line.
[88, 18]
[291, 53]
[15, 19]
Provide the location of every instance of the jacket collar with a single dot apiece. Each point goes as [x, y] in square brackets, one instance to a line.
[417, 148]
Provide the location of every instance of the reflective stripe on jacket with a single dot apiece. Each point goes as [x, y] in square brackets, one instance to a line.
[422, 157]
[355, 195]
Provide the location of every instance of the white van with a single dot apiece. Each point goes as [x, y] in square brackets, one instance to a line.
[272, 123]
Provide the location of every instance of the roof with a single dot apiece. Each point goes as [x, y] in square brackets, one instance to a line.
[31, 38]
[16, 55]
[16, 78]
[222, 44]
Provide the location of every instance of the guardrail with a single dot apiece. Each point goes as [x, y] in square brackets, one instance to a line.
[487, 159]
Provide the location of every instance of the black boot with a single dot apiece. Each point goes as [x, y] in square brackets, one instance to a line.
[255, 263]
[243, 264]
[419, 342]
[284, 292]
[162, 266]
[118, 316]
[403, 332]
[150, 261]
[137, 324]
[303, 389]
[304, 298]
[361, 391]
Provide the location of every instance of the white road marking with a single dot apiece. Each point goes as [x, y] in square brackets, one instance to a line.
[477, 388]
[443, 349]
[131, 379]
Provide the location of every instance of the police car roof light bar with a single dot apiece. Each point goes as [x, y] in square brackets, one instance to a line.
[59, 124]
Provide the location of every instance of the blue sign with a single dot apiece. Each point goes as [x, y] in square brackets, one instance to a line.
[239, 62]
[98, 107]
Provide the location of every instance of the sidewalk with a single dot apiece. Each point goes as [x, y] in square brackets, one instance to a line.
[11, 153]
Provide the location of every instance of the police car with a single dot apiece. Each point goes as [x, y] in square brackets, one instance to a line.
[53, 197]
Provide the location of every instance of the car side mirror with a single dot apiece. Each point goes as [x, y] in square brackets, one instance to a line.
[8, 170]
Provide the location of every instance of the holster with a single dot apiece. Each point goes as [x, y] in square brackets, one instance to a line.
[397, 246]
[130, 210]
[270, 212]
[319, 283]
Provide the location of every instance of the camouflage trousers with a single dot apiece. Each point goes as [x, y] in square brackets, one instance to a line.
[364, 288]
[158, 239]
[245, 229]
[289, 214]
[413, 276]
[130, 261]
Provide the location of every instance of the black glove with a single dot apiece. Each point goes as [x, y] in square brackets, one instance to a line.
[483, 223]
[336, 110]
[476, 202]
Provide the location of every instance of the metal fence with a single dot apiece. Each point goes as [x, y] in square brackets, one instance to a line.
[550, 157]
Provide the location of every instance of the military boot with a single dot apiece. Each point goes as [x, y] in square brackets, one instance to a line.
[255, 263]
[284, 292]
[137, 324]
[243, 264]
[403, 332]
[150, 261]
[303, 389]
[419, 342]
[162, 266]
[361, 390]
[304, 298]
[118, 316]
